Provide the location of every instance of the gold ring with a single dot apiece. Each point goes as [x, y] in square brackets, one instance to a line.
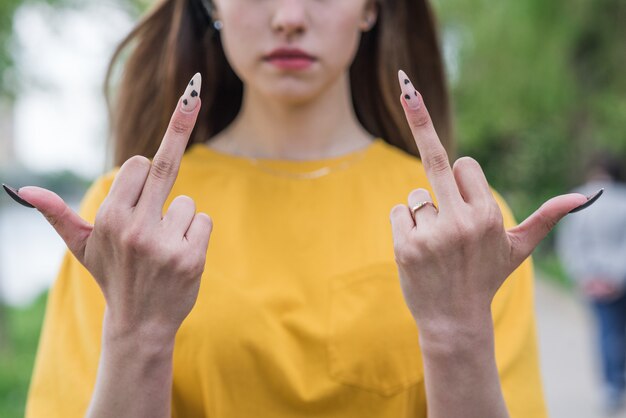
[421, 205]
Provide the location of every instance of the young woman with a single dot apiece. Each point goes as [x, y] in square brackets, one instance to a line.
[320, 294]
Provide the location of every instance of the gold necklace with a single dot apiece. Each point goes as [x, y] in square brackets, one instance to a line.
[320, 172]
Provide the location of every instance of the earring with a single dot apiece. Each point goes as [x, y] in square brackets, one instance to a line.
[217, 24]
[367, 24]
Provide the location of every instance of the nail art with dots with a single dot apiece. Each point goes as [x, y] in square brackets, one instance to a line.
[192, 94]
[409, 93]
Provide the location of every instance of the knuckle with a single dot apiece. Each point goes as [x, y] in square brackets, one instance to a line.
[464, 163]
[404, 254]
[197, 268]
[203, 226]
[186, 201]
[494, 220]
[438, 246]
[180, 126]
[188, 266]
[135, 238]
[412, 250]
[163, 168]
[418, 195]
[139, 162]
[420, 120]
[437, 162]
[397, 210]
[173, 258]
[207, 220]
[169, 257]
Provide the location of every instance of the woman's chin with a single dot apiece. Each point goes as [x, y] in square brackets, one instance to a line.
[291, 96]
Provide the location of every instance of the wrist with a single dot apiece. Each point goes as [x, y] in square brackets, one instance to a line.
[134, 372]
[148, 339]
[457, 337]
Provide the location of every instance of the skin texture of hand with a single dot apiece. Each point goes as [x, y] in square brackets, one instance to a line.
[451, 263]
[131, 242]
[148, 267]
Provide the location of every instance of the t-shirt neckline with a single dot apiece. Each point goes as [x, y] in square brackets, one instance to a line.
[296, 166]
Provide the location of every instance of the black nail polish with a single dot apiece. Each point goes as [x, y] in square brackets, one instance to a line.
[13, 193]
[590, 200]
[406, 96]
[191, 83]
[406, 81]
[416, 92]
[194, 93]
[185, 102]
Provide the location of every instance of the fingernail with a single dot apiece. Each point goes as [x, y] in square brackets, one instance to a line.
[590, 200]
[13, 193]
[191, 96]
[408, 91]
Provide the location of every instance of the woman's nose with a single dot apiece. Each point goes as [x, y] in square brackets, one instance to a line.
[289, 17]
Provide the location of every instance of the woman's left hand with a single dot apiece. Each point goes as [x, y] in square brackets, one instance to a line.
[452, 261]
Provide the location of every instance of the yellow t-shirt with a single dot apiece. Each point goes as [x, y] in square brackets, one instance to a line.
[299, 311]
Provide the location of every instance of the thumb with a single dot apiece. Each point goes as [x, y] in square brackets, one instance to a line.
[73, 229]
[527, 235]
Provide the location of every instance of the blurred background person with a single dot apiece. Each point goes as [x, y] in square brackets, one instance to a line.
[592, 248]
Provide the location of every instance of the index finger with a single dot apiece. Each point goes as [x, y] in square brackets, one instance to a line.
[166, 161]
[432, 153]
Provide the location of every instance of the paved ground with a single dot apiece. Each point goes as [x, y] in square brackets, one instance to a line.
[567, 354]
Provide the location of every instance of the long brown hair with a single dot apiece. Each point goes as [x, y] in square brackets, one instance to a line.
[173, 41]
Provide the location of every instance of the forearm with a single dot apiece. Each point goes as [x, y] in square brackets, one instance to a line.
[134, 375]
[460, 371]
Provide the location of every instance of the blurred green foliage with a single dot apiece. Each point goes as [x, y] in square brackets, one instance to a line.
[17, 354]
[538, 87]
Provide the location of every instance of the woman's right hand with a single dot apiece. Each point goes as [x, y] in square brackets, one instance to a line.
[148, 266]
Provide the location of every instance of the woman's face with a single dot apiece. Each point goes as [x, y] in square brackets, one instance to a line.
[327, 30]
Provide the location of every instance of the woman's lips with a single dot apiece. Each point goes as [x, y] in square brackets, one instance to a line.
[290, 58]
[291, 63]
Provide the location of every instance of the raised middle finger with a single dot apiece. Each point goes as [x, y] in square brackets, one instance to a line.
[432, 153]
[166, 162]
